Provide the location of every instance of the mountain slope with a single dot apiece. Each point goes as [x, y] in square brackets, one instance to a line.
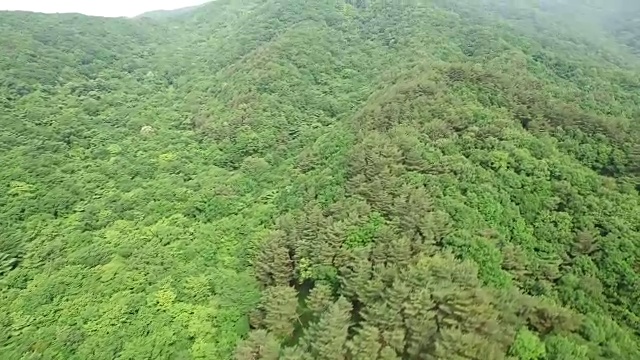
[361, 180]
[165, 14]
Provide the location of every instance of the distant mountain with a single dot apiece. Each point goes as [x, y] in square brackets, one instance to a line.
[164, 14]
[294, 179]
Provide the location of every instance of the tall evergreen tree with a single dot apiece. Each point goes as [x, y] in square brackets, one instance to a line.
[319, 298]
[366, 344]
[280, 305]
[326, 339]
[259, 345]
[272, 264]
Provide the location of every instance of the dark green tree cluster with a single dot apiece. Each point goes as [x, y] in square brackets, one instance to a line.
[290, 179]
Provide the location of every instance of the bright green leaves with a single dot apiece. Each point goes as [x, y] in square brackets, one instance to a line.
[527, 346]
[363, 235]
[18, 188]
[164, 298]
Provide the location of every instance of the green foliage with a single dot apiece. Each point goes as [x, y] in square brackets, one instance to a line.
[527, 346]
[322, 180]
[364, 234]
[280, 306]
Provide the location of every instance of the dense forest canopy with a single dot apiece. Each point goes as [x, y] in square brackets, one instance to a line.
[291, 179]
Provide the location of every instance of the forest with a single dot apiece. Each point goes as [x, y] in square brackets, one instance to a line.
[332, 180]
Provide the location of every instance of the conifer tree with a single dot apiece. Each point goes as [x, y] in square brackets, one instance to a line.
[305, 243]
[388, 353]
[259, 345]
[365, 344]
[515, 261]
[355, 276]
[319, 298]
[272, 264]
[456, 344]
[329, 242]
[546, 317]
[391, 248]
[294, 353]
[585, 244]
[447, 296]
[326, 339]
[400, 252]
[280, 307]
[415, 215]
[410, 146]
[388, 314]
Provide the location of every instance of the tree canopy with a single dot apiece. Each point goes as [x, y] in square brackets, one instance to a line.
[289, 179]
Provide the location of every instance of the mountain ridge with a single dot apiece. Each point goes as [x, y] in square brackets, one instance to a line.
[161, 14]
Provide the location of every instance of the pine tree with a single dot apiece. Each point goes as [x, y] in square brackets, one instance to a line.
[313, 222]
[256, 318]
[400, 252]
[515, 262]
[355, 276]
[374, 167]
[415, 215]
[374, 288]
[634, 161]
[548, 267]
[422, 325]
[305, 244]
[447, 296]
[456, 344]
[281, 267]
[379, 251]
[391, 248]
[326, 339]
[272, 264]
[396, 297]
[329, 242]
[388, 353]
[585, 244]
[280, 307]
[388, 314]
[320, 298]
[407, 141]
[365, 344]
[294, 353]
[378, 193]
[546, 317]
[259, 345]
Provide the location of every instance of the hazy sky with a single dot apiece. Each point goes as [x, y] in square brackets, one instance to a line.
[97, 7]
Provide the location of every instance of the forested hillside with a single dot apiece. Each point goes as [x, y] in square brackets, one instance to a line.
[291, 179]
